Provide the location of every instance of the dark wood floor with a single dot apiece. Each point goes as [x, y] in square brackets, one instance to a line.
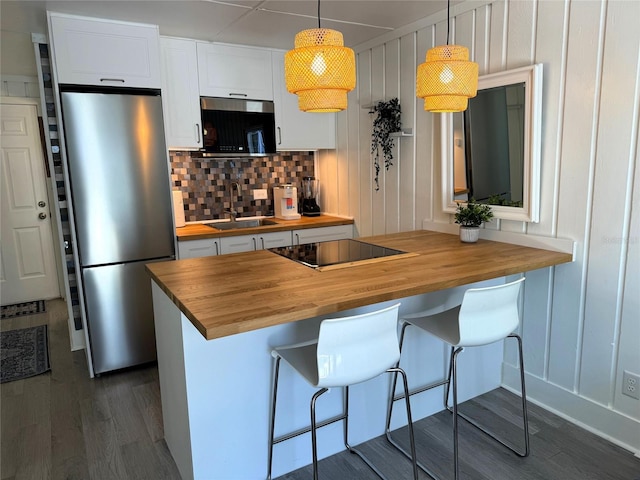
[63, 425]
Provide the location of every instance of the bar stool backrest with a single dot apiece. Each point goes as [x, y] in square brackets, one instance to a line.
[489, 314]
[355, 349]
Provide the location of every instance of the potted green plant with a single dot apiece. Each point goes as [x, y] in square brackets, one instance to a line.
[470, 216]
[387, 121]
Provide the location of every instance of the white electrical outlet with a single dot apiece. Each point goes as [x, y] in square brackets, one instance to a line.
[260, 194]
[631, 385]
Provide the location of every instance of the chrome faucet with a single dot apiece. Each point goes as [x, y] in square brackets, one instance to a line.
[231, 211]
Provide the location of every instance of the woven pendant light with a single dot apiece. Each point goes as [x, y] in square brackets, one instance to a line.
[320, 70]
[447, 79]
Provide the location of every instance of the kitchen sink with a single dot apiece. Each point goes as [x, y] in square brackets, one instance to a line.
[238, 224]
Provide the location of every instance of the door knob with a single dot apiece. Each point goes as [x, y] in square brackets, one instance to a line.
[42, 216]
[42, 204]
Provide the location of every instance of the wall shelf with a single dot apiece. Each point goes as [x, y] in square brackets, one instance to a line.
[405, 132]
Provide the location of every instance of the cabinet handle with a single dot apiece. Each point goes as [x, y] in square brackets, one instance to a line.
[217, 249]
[254, 243]
[238, 94]
[279, 136]
[197, 133]
[112, 80]
[297, 239]
[262, 240]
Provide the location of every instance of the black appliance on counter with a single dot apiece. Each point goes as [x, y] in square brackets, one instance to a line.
[310, 187]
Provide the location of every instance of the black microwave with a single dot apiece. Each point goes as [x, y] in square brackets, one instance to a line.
[237, 127]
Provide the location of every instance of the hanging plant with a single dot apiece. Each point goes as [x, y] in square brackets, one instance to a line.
[387, 121]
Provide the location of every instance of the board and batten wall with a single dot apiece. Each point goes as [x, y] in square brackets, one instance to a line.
[581, 321]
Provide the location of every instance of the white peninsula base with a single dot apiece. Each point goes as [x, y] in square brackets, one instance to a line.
[216, 393]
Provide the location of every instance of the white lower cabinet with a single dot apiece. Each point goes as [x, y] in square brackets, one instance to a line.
[322, 234]
[248, 243]
[198, 248]
[273, 240]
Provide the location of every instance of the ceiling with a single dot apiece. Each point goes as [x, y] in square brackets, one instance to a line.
[267, 23]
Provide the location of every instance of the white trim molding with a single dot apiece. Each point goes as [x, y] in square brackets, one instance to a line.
[19, 86]
[613, 426]
[564, 245]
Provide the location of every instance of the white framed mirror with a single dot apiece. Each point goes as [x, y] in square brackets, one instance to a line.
[491, 152]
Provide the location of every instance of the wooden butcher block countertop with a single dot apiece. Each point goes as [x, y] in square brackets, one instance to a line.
[196, 231]
[229, 294]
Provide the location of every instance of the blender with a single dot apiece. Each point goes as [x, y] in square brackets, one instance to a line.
[310, 207]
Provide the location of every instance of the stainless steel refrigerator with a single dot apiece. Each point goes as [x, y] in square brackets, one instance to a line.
[121, 197]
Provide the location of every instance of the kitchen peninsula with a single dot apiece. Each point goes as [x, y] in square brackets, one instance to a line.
[218, 317]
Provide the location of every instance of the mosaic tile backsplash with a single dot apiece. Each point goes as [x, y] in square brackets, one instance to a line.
[206, 182]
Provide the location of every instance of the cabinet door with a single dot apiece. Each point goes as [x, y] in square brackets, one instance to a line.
[322, 234]
[234, 71]
[198, 248]
[296, 130]
[91, 51]
[273, 240]
[180, 94]
[249, 243]
[237, 244]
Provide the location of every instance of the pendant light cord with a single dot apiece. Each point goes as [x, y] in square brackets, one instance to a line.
[318, 13]
[448, 21]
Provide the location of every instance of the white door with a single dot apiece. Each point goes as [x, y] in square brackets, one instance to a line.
[27, 262]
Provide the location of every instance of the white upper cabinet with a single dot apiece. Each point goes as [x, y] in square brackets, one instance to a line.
[91, 51]
[296, 130]
[180, 94]
[234, 71]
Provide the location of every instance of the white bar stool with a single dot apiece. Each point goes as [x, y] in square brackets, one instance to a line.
[486, 315]
[348, 350]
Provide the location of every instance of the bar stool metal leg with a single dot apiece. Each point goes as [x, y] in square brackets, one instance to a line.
[406, 395]
[525, 414]
[412, 442]
[525, 417]
[448, 380]
[486, 315]
[272, 423]
[341, 343]
[452, 389]
[314, 443]
[454, 369]
[345, 417]
[407, 400]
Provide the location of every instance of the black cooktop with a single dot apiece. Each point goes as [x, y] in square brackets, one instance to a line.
[322, 254]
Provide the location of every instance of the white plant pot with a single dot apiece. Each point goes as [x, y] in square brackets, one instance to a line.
[469, 234]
